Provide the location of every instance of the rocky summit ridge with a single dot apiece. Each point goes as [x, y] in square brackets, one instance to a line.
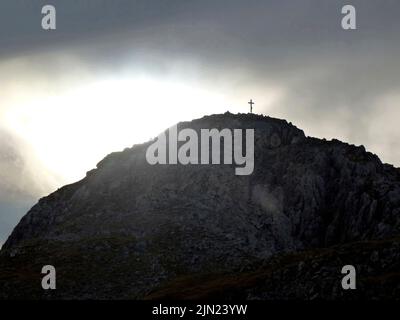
[133, 230]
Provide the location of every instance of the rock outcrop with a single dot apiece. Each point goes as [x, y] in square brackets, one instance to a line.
[129, 228]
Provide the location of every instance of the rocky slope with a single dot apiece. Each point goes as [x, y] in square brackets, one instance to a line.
[129, 229]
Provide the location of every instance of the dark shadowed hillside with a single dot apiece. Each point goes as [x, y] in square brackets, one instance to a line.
[132, 230]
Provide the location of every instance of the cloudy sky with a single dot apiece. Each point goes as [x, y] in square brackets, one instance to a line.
[115, 73]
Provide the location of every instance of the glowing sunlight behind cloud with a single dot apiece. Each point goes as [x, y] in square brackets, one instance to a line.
[71, 131]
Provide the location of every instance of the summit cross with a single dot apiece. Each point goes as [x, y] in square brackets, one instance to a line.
[251, 105]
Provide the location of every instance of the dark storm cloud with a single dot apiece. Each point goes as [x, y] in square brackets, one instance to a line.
[264, 39]
[213, 27]
[294, 43]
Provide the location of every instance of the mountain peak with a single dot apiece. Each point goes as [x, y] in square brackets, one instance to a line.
[162, 222]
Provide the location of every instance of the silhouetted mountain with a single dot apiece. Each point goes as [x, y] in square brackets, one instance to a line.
[132, 230]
